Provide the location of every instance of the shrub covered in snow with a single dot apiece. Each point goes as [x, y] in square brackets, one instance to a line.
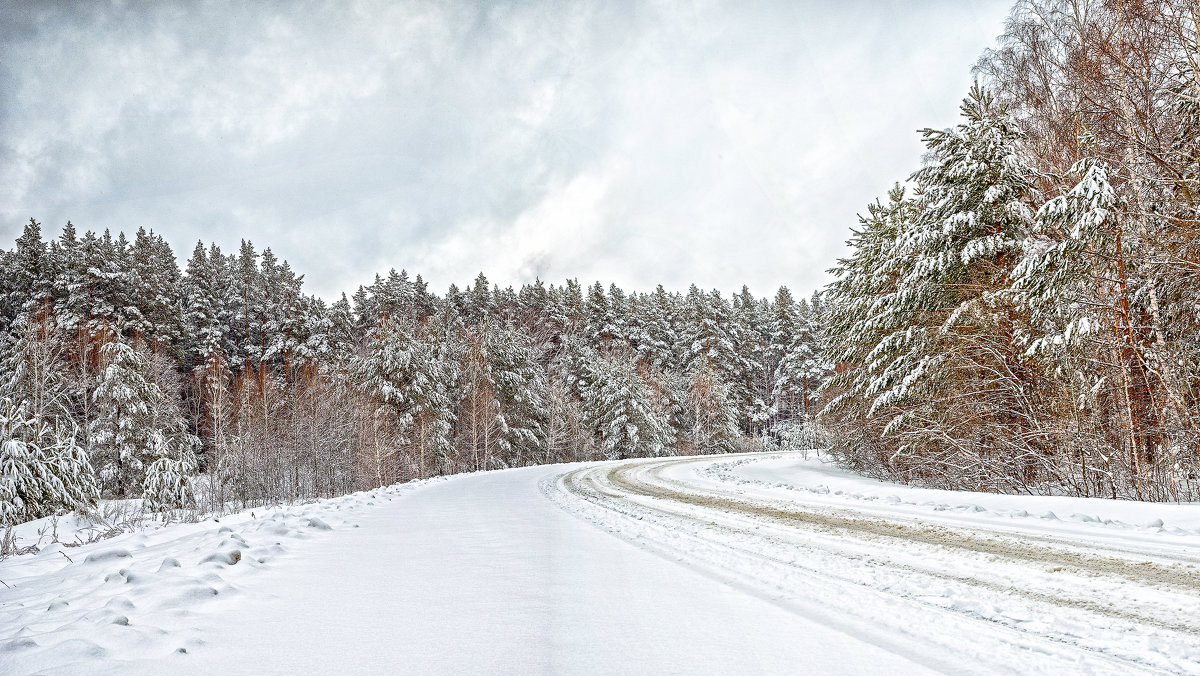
[42, 468]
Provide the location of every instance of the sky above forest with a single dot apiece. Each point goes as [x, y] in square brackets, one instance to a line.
[716, 143]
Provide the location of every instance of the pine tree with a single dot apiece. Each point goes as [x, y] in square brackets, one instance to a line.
[167, 484]
[35, 369]
[749, 381]
[120, 438]
[800, 365]
[629, 418]
[31, 274]
[409, 381]
[42, 468]
[500, 409]
[478, 302]
[1077, 279]
[604, 330]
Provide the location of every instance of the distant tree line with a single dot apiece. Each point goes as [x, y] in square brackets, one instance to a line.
[124, 376]
[1022, 315]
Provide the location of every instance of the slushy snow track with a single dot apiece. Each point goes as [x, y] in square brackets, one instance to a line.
[956, 591]
[729, 564]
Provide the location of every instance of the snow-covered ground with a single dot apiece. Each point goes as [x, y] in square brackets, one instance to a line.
[744, 564]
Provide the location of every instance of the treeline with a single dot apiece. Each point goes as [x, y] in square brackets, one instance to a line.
[1022, 315]
[123, 376]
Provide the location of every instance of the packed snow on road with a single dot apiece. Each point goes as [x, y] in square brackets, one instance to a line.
[765, 563]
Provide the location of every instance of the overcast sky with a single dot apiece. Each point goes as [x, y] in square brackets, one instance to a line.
[636, 143]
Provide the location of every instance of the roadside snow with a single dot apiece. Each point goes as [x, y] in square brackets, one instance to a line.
[820, 481]
[147, 595]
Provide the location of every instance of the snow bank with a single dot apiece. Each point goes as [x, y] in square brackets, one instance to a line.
[109, 604]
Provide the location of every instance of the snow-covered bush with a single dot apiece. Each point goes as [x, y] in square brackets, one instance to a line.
[798, 435]
[167, 484]
[42, 468]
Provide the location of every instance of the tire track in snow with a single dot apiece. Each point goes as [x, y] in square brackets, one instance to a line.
[1181, 576]
[639, 490]
[1014, 550]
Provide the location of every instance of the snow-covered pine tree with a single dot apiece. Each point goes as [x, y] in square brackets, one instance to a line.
[629, 417]
[120, 437]
[42, 467]
[930, 317]
[478, 302]
[167, 484]
[709, 342]
[285, 327]
[30, 274]
[653, 331]
[751, 384]
[408, 380]
[781, 330]
[859, 318]
[1078, 280]
[34, 368]
[153, 312]
[801, 364]
[202, 303]
[520, 386]
[70, 313]
[603, 328]
[501, 409]
[247, 307]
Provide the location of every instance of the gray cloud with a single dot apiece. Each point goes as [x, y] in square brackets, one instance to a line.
[716, 143]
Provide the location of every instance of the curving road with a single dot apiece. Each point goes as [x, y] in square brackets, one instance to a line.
[952, 594]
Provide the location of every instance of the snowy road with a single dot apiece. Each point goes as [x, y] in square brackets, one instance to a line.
[965, 589]
[734, 564]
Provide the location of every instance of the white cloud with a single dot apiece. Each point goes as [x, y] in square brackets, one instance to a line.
[720, 143]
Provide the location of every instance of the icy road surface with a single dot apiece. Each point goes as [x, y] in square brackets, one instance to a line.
[719, 564]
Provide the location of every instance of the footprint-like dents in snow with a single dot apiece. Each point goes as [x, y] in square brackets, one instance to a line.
[260, 554]
[211, 578]
[120, 603]
[16, 644]
[78, 647]
[229, 558]
[132, 577]
[108, 555]
[279, 529]
[188, 595]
